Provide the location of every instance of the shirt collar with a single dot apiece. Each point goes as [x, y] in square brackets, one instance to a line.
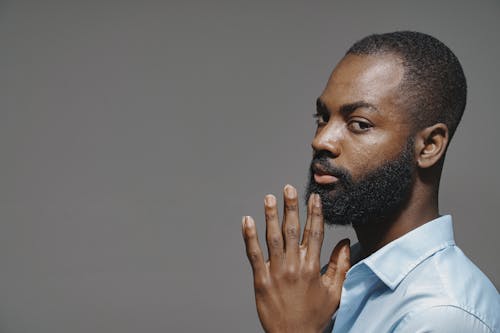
[395, 260]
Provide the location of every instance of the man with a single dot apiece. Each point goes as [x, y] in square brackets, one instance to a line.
[384, 122]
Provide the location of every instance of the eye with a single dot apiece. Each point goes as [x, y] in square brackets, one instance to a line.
[359, 126]
[321, 119]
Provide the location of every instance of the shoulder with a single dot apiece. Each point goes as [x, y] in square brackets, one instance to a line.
[449, 290]
[443, 319]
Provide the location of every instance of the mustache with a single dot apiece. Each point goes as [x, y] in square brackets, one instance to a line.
[322, 159]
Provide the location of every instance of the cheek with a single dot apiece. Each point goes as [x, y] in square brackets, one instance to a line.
[372, 154]
[362, 160]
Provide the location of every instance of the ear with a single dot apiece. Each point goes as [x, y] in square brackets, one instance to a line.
[431, 143]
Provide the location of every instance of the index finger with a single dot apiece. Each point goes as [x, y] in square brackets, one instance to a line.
[307, 228]
[317, 230]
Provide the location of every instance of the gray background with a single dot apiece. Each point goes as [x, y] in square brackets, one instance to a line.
[134, 136]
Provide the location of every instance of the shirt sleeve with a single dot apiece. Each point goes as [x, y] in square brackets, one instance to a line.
[442, 319]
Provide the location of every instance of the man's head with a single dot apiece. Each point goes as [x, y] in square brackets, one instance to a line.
[433, 86]
[384, 120]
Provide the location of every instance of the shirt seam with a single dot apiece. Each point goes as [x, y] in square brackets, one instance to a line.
[444, 285]
[459, 305]
[410, 315]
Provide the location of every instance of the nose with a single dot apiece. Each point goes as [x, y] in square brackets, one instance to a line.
[328, 138]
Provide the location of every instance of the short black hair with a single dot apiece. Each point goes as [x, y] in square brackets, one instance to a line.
[433, 85]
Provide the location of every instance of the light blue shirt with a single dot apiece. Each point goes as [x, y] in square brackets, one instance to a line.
[421, 282]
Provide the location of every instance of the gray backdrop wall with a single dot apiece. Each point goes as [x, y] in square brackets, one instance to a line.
[134, 136]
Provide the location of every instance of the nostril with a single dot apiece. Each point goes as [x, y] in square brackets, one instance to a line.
[323, 154]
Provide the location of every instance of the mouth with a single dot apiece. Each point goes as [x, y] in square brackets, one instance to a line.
[322, 176]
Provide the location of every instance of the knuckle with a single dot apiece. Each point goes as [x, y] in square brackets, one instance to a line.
[317, 234]
[261, 285]
[253, 256]
[275, 241]
[271, 215]
[312, 269]
[291, 273]
[291, 207]
[292, 232]
[308, 273]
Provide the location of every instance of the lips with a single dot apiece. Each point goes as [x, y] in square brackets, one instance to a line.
[322, 176]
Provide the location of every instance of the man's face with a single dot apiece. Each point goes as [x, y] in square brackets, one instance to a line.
[363, 162]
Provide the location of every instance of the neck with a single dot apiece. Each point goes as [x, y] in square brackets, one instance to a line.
[421, 207]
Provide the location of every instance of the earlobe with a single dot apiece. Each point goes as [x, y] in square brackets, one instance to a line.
[431, 145]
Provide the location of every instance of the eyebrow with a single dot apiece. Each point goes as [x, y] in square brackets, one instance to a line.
[345, 109]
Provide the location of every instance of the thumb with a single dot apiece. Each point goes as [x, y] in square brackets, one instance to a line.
[340, 262]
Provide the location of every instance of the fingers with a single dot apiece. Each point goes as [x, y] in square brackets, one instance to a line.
[274, 237]
[291, 226]
[339, 262]
[282, 243]
[316, 233]
[254, 252]
[307, 228]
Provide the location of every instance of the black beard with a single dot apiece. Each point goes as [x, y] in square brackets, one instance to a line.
[377, 196]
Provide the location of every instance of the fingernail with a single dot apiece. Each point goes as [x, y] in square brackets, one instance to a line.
[290, 191]
[248, 222]
[310, 201]
[269, 200]
[316, 200]
[243, 221]
[347, 242]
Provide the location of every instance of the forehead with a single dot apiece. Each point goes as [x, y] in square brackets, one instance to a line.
[373, 79]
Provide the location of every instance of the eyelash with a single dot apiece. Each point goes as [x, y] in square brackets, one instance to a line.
[363, 126]
[320, 119]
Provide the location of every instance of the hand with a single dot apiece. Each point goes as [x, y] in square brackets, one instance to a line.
[290, 293]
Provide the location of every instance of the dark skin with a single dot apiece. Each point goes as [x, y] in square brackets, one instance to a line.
[362, 123]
